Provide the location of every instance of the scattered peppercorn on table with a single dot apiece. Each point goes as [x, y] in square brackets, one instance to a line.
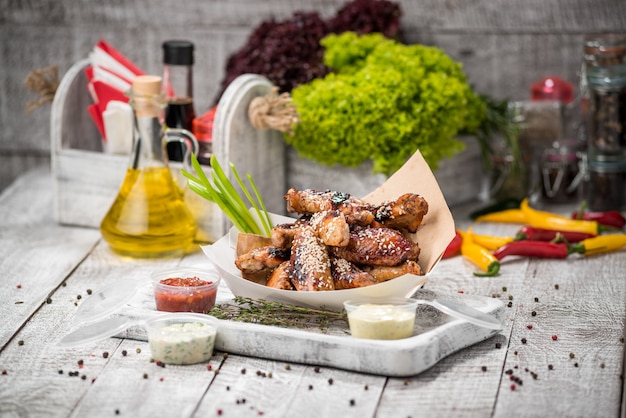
[560, 353]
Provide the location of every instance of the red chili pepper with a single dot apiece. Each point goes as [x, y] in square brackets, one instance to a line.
[539, 249]
[454, 248]
[610, 218]
[529, 233]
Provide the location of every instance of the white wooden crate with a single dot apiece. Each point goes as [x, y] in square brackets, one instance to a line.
[87, 180]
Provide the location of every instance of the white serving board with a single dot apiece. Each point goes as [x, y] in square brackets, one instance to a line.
[436, 336]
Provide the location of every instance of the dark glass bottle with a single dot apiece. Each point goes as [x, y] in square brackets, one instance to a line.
[178, 63]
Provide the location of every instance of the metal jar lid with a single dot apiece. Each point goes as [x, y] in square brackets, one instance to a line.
[607, 166]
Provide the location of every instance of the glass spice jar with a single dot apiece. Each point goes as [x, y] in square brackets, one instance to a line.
[607, 185]
[606, 84]
[599, 50]
[607, 116]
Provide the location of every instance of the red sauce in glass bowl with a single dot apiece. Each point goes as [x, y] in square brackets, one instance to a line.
[185, 294]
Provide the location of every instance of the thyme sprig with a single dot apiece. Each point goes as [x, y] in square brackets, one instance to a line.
[259, 311]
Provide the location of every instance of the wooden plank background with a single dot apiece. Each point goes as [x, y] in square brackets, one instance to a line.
[504, 45]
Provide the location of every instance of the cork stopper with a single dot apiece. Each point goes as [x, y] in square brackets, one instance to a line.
[146, 96]
[149, 85]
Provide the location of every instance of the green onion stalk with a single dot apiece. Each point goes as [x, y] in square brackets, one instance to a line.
[221, 191]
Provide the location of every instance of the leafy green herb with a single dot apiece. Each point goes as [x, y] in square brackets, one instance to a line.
[260, 311]
[384, 100]
[222, 192]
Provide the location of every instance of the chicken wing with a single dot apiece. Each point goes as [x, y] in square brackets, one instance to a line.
[348, 276]
[310, 262]
[280, 277]
[406, 212]
[257, 264]
[377, 246]
[311, 201]
[331, 227]
[384, 273]
[282, 235]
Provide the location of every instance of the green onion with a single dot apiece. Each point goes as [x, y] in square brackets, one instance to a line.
[221, 191]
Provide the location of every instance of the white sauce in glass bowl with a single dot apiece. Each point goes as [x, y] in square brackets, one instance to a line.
[182, 343]
[381, 322]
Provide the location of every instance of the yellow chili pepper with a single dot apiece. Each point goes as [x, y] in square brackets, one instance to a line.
[490, 242]
[514, 216]
[599, 244]
[479, 255]
[548, 220]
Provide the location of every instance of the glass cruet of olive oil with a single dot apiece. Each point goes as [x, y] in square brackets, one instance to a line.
[149, 218]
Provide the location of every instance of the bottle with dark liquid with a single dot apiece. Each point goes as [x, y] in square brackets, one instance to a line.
[178, 88]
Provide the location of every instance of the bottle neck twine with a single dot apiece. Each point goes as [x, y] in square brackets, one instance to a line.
[147, 105]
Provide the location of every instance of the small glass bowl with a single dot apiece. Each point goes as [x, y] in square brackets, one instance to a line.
[381, 319]
[182, 298]
[182, 338]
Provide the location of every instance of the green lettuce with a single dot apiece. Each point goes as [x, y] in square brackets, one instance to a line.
[383, 100]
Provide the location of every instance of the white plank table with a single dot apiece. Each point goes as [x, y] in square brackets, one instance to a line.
[46, 270]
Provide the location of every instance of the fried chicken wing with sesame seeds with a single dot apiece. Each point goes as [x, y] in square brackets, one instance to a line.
[311, 201]
[280, 278]
[259, 262]
[348, 276]
[282, 235]
[384, 273]
[406, 212]
[310, 262]
[331, 227]
[377, 246]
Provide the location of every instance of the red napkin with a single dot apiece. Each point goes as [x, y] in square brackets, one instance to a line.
[96, 116]
[109, 76]
[106, 93]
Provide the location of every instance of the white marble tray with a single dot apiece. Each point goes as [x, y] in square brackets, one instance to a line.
[436, 336]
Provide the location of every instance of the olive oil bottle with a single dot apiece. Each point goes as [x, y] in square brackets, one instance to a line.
[149, 218]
